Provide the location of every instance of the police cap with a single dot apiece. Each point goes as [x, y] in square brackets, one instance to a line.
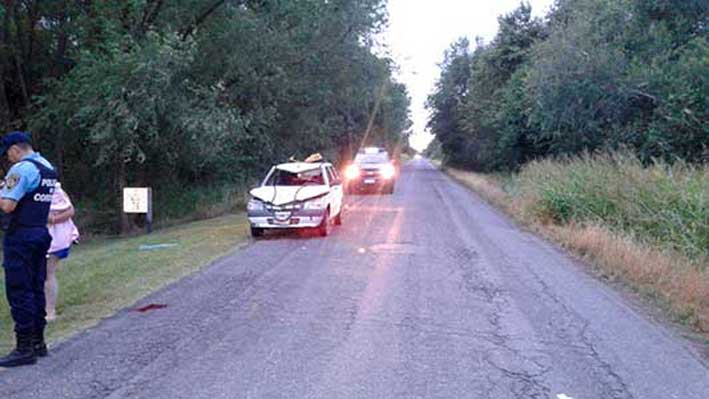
[13, 138]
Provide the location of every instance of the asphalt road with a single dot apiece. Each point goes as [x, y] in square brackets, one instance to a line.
[429, 293]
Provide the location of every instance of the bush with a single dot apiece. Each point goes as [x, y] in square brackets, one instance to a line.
[171, 205]
[663, 205]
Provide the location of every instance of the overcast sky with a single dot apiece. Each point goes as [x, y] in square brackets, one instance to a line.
[421, 30]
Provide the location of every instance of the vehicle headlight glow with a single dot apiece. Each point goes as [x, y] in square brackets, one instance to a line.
[316, 204]
[388, 171]
[352, 172]
[255, 205]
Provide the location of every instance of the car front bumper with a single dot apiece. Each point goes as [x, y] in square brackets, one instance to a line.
[284, 220]
[369, 183]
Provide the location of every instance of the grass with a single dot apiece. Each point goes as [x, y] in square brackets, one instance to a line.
[174, 205]
[104, 276]
[647, 227]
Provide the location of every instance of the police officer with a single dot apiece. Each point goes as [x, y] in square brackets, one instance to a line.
[24, 200]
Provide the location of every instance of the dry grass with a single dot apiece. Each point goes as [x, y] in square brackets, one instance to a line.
[485, 186]
[666, 276]
[644, 227]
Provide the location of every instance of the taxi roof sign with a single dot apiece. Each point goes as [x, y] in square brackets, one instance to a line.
[317, 157]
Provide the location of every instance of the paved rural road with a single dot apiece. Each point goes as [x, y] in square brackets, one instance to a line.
[429, 293]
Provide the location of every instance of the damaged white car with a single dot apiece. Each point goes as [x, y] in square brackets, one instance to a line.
[297, 195]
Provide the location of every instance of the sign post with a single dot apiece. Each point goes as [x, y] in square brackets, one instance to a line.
[139, 200]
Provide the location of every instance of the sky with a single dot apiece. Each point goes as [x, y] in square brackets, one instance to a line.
[421, 30]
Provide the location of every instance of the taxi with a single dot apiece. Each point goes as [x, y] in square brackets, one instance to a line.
[294, 195]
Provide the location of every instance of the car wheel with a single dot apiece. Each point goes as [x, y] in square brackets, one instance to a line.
[324, 228]
[256, 232]
[338, 218]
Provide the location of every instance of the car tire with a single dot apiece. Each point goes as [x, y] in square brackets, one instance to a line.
[257, 232]
[324, 228]
[338, 218]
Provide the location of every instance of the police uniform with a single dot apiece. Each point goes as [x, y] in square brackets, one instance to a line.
[30, 183]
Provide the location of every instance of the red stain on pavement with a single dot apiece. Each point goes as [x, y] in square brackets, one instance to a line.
[152, 306]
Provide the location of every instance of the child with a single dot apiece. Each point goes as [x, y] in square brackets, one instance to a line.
[64, 233]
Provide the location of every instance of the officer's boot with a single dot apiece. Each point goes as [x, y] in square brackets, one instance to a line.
[38, 344]
[23, 353]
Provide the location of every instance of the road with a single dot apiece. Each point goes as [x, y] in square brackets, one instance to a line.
[429, 293]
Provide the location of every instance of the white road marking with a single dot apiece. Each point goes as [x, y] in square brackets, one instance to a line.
[562, 396]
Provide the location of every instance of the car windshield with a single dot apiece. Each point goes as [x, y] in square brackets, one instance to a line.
[284, 178]
[381, 157]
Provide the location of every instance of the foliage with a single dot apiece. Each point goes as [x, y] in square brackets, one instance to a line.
[191, 93]
[594, 74]
[445, 103]
[644, 225]
[667, 206]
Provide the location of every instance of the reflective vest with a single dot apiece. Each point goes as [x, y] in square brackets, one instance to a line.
[33, 208]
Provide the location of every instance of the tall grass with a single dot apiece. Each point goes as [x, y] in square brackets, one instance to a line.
[664, 205]
[647, 226]
[171, 205]
[177, 204]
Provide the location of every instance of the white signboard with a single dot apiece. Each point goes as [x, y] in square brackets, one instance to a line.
[136, 199]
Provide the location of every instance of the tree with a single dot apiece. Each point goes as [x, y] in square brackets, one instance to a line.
[596, 75]
[193, 94]
[445, 103]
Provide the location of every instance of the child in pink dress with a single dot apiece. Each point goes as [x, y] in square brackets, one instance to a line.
[64, 233]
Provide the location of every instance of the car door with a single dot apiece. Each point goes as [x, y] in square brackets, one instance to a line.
[336, 190]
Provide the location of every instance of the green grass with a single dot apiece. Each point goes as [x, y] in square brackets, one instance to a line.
[646, 226]
[174, 205]
[106, 275]
[662, 205]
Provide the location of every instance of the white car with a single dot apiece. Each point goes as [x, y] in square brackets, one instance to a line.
[297, 195]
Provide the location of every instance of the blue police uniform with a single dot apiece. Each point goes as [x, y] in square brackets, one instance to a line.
[30, 183]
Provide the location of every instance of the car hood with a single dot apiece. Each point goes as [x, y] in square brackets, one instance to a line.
[371, 165]
[281, 195]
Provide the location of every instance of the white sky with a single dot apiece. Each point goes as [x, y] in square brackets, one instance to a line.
[421, 30]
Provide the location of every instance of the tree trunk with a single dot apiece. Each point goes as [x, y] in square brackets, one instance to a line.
[5, 112]
[59, 153]
[4, 104]
[32, 18]
[201, 18]
[18, 58]
[121, 182]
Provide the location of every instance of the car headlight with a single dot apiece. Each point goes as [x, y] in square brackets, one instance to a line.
[255, 205]
[352, 172]
[388, 171]
[316, 204]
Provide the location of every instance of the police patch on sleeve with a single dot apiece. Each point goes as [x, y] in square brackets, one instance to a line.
[11, 181]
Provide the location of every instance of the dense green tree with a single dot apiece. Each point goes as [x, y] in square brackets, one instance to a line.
[596, 74]
[445, 104]
[193, 93]
[486, 125]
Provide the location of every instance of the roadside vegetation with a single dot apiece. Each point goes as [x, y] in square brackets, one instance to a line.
[591, 125]
[106, 275]
[647, 227]
[591, 75]
[194, 98]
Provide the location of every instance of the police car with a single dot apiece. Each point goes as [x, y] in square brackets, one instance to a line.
[372, 169]
[306, 194]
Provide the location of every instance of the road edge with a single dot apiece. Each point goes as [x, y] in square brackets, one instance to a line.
[652, 310]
